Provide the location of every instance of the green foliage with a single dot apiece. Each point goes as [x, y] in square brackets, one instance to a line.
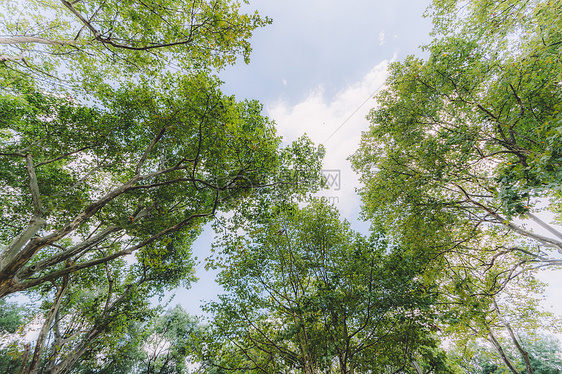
[92, 41]
[471, 135]
[464, 143]
[141, 175]
[10, 358]
[137, 165]
[163, 344]
[306, 293]
[544, 353]
[12, 316]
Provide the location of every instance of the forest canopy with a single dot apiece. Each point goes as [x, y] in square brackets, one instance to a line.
[118, 147]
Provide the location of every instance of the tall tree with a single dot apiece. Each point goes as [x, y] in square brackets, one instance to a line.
[164, 344]
[464, 146]
[85, 186]
[307, 294]
[544, 353]
[467, 142]
[470, 138]
[94, 40]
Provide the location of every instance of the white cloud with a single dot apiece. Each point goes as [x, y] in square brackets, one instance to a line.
[336, 123]
[381, 38]
[284, 81]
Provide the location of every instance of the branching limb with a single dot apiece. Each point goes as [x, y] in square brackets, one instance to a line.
[34, 186]
[11, 58]
[546, 241]
[30, 40]
[40, 345]
[523, 352]
[67, 254]
[87, 264]
[86, 23]
[501, 352]
[148, 150]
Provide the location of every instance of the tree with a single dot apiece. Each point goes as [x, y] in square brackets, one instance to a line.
[137, 165]
[85, 186]
[93, 311]
[307, 294]
[163, 345]
[12, 318]
[93, 40]
[472, 310]
[464, 145]
[544, 352]
[470, 139]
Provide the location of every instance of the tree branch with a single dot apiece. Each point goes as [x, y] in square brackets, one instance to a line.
[32, 39]
[68, 253]
[546, 241]
[523, 352]
[544, 225]
[68, 270]
[19, 241]
[86, 23]
[34, 186]
[40, 345]
[11, 58]
[148, 149]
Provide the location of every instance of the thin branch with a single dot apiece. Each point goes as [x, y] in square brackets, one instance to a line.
[11, 58]
[148, 149]
[32, 39]
[34, 186]
[68, 253]
[40, 345]
[546, 241]
[81, 18]
[63, 156]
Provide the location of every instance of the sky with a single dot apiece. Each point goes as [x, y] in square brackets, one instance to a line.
[316, 70]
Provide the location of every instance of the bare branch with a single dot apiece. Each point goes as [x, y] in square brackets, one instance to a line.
[499, 349]
[148, 149]
[81, 18]
[545, 225]
[11, 58]
[20, 240]
[522, 351]
[31, 40]
[34, 186]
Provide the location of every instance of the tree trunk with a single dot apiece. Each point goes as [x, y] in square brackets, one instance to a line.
[522, 351]
[40, 345]
[500, 350]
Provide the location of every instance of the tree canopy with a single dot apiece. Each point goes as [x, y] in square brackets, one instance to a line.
[306, 293]
[117, 147]
[467, 141]
[84, 186]
[96, 40]
[464, 148]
